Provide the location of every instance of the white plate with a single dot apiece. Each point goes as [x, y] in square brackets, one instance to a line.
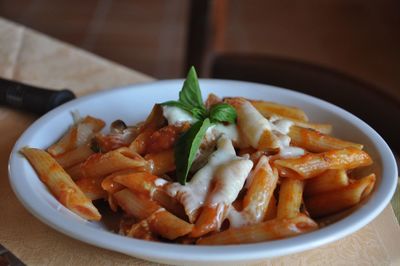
[132, 104]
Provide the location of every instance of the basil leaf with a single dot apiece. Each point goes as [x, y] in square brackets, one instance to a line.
[178, 104]
[186, 148]
[223, 112]
[199, 113]
[190, 95]
[196, 112]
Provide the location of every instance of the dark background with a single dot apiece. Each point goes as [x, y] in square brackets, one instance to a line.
[357, 37]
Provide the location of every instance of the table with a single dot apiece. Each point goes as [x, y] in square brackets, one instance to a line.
[36, 59]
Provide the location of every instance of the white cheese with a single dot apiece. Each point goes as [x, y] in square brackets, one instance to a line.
[291, 152]
[217, 130]
[176, 115]
[237, 219]
[252, 123]
[194, 194]
[229, 180]
[159, 182]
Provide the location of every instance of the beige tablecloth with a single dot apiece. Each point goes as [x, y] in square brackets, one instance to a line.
[36, 59]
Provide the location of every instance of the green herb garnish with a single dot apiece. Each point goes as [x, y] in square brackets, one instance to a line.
[187, 146]
[223, 112]
[191, 101]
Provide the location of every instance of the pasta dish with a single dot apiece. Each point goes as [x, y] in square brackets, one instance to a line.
[225, 171]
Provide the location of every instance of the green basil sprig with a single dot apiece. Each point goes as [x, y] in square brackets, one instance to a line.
[191, 101]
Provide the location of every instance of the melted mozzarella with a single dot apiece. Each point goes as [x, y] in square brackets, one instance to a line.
[252, 123]
[281, 125]
[281, 128]
[159, 182]
[229, 180]
[230, 131]
[176, 115]
[291, 152]
[193, 194]
[237, 219]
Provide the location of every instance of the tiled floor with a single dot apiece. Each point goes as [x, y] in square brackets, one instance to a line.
[361, 38]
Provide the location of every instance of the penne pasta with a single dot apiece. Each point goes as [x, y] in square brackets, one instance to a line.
[269, 109]
[165, 138]
[161, 221]
[141, 230]
[61, 184]
[161, 162]
[169, 203]
[91, 186]
[140, 143]
[315, 141]
[107, 163]
[77, 135]
[272, 210]
[290, 197]
[168, 226]
[323, 128]
[138, 182]
[294, 114]
[75, 156]
[75, 171]
[210, 219]
[340, 199]
[212, 99]
[151, 186]
[269, 230]
[260, 191]
[311, 165]
[154, 121]
[327, 181]
[110, 187]
[136, 205]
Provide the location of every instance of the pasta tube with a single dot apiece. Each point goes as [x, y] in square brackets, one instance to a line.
[260, 191]
[161, 162]
[315, 141]
[327, 181]
[154, 121]
[74, 156]
[110, 186]
[272, 229]
[91, 186]
[107, 163]
[77, 135]
[269, 109]
[340, 199]
[311, 165]
[141, 230]
[161, 221]
[290, 197]
[61, 184]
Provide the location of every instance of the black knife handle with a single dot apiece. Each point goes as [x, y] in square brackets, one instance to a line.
[30, 98]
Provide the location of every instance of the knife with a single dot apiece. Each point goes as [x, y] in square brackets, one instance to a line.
[9, 259]
[32, 99]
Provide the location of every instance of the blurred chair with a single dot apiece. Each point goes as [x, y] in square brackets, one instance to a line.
[205, 50]
[363, 100]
